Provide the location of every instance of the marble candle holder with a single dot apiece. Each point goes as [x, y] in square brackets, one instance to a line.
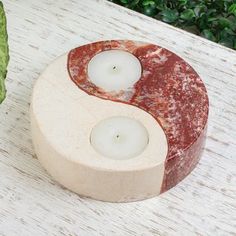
[169, 99]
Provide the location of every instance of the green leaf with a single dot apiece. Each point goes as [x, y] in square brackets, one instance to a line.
[4, 56]
[228, 42]
[132, 4]
[182, 3]
[211, 19]
[232, 9]
[199, 9]
[169, 15]
[187, 14]
[224, 23]
[206, 33]
[125, 1]
[203, 22]
[211, 12]
[150, 10]
[161, 4]
[148, 2]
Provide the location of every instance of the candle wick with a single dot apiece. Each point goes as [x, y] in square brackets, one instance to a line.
[114, 67]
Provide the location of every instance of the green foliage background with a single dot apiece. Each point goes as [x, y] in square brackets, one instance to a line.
[212, 19]
[4, 53]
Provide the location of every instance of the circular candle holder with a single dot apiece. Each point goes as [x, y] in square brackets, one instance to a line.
[168, 99]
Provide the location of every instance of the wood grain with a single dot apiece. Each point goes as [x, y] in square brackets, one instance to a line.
[31, 203]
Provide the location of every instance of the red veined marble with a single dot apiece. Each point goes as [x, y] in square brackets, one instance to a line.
[169, 89]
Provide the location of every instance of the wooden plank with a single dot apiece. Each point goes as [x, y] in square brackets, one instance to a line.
[31, 203]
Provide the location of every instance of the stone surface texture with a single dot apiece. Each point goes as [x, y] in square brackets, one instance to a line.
[169, 89]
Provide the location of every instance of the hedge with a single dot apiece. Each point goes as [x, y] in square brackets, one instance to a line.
[211, 19]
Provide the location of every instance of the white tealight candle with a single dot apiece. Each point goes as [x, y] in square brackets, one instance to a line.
[114, 70]
[119, 137]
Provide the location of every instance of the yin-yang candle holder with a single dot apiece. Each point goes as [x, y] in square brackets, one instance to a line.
[119, 126]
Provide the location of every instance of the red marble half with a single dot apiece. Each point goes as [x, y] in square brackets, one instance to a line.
[169, 89]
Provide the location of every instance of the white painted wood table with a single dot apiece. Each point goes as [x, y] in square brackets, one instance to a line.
[31, 203]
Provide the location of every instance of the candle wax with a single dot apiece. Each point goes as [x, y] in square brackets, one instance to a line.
[119, 137]
[114, 70]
